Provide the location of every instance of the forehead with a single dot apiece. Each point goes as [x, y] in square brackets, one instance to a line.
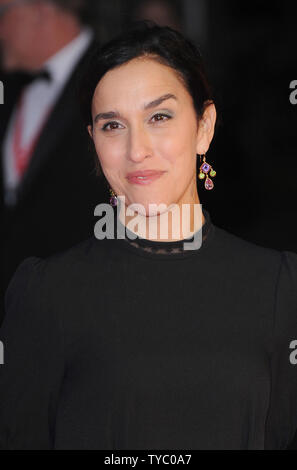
[10, 2]
[138, 80]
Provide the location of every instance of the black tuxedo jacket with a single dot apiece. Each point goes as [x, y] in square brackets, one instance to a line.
[59, 190]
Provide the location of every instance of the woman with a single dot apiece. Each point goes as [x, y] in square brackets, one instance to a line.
[138, 342]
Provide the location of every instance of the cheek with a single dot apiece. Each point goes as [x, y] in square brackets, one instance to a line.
[22, 31]
[110, 153]
[168, 143]
[9, 29]
[179, 149]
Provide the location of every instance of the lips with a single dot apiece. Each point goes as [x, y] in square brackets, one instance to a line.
[144, 177]
[144, 173]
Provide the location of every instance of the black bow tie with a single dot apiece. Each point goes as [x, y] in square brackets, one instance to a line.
[29, 77]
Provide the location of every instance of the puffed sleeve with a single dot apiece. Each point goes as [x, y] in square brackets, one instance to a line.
[32, 369]
[281, 423]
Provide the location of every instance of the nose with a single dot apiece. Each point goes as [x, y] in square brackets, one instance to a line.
[139, 145]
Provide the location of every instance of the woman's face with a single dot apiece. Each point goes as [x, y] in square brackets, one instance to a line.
[144, 119]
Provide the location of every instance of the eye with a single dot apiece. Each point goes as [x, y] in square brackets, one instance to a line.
[112, 124]
[162, 116]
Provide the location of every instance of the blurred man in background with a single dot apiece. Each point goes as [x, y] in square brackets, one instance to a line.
[162, 12]
[48, 183]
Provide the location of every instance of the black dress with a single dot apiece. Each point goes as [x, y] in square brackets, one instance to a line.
[114, 344]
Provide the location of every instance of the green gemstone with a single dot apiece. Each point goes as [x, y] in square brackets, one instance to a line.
[213, 173]
[201, 176]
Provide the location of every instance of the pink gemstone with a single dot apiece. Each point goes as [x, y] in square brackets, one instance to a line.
[208, 183]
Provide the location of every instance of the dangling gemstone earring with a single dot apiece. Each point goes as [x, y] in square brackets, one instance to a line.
[113, 198]
[204, 169]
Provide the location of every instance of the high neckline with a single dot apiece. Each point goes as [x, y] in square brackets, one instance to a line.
[167, 249]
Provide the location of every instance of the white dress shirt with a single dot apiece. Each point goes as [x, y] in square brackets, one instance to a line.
[38, 98]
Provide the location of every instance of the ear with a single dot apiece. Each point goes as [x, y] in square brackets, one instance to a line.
[206, 129]
[90, 131]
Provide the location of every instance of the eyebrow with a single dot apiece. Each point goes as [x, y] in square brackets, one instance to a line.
[152, 104]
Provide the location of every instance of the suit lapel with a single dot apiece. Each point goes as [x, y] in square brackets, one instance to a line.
[60, 117]
[12, 90]
[54, 128]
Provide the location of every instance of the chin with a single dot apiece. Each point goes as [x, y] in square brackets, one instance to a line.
[144, 208]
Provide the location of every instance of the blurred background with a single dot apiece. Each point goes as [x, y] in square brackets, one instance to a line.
[250, 51]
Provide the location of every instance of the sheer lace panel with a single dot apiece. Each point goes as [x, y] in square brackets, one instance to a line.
[156, 247]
